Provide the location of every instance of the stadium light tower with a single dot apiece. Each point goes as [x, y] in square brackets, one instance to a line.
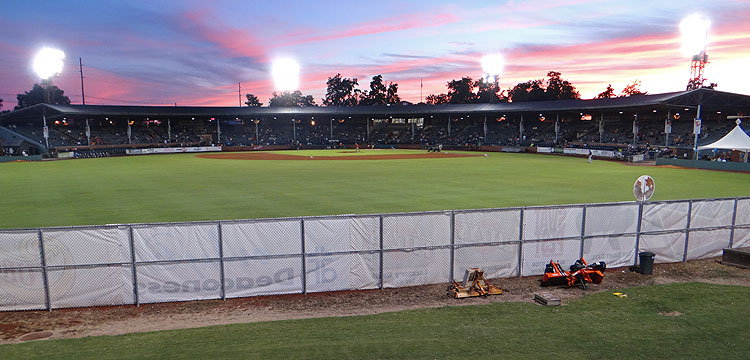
[694, 29]
[492, 67]
[47, 63]
[285, 72]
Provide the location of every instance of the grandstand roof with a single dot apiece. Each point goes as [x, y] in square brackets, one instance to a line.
[708, 98]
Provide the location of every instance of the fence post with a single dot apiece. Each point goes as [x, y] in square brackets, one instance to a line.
[221, 263]
[45, 280]
[133, 264]
[304, 258]
[381, 252]
[687, 230]
[583, 228]
[520, 244]
[734, 222]
[638, 232]
[453, 245]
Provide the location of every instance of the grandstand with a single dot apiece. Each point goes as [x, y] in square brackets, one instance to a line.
[606, 124]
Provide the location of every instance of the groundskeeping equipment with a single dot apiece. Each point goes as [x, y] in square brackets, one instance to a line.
[474, 284]
[580, 273]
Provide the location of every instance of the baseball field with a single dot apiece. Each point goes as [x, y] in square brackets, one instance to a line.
[665, 316]
[188, 187]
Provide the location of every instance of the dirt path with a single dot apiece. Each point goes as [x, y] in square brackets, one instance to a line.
[269, 155]
[73, 323]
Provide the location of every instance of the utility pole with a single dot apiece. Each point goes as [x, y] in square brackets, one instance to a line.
[239, 93]
[80, 67]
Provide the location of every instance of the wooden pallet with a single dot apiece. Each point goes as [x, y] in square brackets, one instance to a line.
[547, 299]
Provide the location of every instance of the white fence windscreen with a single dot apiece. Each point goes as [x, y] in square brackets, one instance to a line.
[410, 231]
[51, 268]
[615, 251]
[261, 238]
[669, 247]
[664, 216]
[87, 246]
[263, 277]
[711, 213]
[612, 219]
[176, 242]
[552, 223]
[415, 267]
[537, 254]
[98, 286]
[178, 282]
[487, 226]
[497, 261]
[705, 244]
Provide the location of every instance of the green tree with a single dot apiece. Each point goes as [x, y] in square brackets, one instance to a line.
[633, 89]
[461, 91]
[559, 89]
[378, 91]
[44, 93]
[341, 91]
[291, 98]
[531, 90]
[253, 101]
[391, 96]
[610, 92]
[434, 99]
[553, 88]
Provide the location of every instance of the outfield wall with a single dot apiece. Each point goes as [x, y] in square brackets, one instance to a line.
[52, 268]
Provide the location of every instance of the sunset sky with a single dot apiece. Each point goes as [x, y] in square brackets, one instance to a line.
[195, 52]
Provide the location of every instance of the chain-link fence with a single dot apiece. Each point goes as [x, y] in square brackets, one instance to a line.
[52, 268]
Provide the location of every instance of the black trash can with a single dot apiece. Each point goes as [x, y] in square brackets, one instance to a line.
[646, 260]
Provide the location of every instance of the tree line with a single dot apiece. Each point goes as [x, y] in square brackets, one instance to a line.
[342, 91]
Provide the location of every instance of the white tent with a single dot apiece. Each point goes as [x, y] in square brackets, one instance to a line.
[736, 139]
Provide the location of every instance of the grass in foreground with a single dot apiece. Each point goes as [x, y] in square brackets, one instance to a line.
[182, 187]
[711, 323]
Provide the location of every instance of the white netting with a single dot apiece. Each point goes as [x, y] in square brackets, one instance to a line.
[487, 226]
[743, 212]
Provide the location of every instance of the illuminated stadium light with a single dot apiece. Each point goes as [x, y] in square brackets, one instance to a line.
[694, 29]
[285, 72]
[48, 63]
[492, 66]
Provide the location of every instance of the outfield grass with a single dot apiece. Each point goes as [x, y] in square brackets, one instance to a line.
[711, 324]
[183, 187]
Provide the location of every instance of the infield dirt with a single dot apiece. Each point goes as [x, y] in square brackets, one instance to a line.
[74, 323]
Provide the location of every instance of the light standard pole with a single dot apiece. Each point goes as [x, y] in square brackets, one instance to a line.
[294, 132]
[331, 138]
[47, 63]
[256, 121]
